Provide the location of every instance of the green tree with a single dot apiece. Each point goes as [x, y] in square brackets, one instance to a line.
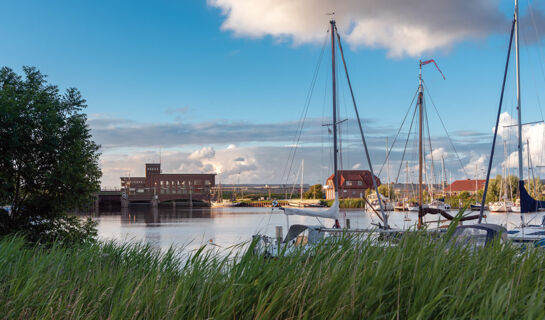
[48, 163]
[314, 192]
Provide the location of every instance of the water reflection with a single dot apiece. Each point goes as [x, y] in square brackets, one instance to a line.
[190, 228]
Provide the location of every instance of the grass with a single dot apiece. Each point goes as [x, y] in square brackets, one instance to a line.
[346, 203]
[418, 279]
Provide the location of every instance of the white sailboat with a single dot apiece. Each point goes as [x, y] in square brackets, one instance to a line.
[269, 246]
[525, 232]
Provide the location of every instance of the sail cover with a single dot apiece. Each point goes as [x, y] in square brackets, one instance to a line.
[527, 203]
[330, 213]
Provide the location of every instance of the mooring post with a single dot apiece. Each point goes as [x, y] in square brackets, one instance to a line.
[279, 234]
[190, 196]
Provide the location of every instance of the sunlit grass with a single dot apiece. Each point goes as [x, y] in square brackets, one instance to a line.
[418, 278]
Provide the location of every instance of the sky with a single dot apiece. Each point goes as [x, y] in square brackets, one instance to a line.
[221, 85]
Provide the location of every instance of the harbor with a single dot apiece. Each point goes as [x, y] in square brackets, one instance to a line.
[189, 229]
[228, 159]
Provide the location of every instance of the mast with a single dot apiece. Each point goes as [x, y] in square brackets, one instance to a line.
[388, 167]
[476, 181]
[333, 76]
[302, 177]
[443, 176]
[420, 160]
[528, 153]
[517, 66]
[407, 182]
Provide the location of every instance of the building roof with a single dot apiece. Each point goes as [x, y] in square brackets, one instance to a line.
[465, 185]
[355, 175]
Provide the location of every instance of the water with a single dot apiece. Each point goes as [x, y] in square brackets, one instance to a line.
[188, 229]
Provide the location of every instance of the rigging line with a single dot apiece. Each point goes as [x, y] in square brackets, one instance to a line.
[295, 182]
[398, 131]
[445, 128]
[526, 46]
[299, 130]
[304, 112]
[426, 120]
[538, 39]
[384, 216]
[489, 169]
[406, 143]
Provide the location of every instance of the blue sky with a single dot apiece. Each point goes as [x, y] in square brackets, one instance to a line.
[167, 68]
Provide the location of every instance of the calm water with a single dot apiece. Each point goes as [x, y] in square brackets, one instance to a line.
[223, 227]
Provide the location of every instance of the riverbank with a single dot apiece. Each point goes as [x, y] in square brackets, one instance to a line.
[416, 279]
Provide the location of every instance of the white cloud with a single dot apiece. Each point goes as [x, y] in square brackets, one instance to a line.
[437, 154]
[203, 153]
[356, 166]
[534, 134]
[476, 167]
[402, 27]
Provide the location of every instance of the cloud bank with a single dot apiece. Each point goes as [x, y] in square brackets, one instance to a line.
[402, 27]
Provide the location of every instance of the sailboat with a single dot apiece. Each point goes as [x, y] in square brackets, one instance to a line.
[435, 207]
[524, 232]
[268, 246]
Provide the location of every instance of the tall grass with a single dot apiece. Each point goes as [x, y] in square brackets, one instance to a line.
[417, 279]
[352, 203]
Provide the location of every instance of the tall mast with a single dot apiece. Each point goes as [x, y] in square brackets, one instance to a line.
[302, 177]
[443, 176]
[407, 177]
[388, 167]
[528, 153]
[333, 75]
[517, 66]
[420, 159]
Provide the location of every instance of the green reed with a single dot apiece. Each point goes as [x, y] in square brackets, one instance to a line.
[349, 278]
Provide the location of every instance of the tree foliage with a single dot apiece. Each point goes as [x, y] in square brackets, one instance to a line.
[48, 161]
[314, 192]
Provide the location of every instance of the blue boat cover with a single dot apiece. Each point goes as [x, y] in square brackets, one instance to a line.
[527, 203]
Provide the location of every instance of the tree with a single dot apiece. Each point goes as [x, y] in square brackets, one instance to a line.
[314, 192]
[48, 162]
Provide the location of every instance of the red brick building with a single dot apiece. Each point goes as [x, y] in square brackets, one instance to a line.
[352, 184]
[168, 186]
[467, 185]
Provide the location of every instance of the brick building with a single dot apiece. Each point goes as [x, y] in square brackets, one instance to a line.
[352, 184]
[467, 185]
[168, 186]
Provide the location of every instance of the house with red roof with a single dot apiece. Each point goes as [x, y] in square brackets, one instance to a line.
[468, 185]
[352, 184]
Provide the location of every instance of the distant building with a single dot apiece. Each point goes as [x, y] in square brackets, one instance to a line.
[467, 185]
[168, 186]
[352, 184]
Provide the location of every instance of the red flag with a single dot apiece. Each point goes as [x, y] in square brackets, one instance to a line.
[430, 61]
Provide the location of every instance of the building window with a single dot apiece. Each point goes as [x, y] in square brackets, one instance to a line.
[161, 182]
[207, 182]
[348, 183]
[360, 183]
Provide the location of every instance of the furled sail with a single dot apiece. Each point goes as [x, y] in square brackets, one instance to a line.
[330, 213]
